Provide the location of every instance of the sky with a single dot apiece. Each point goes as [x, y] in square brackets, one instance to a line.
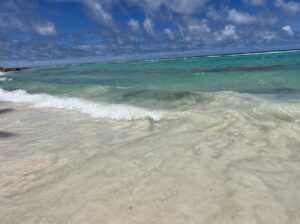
[45, 30]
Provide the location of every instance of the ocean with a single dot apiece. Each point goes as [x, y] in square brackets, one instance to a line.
[211, 139]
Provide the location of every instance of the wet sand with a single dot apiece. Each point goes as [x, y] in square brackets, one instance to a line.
[226, 166]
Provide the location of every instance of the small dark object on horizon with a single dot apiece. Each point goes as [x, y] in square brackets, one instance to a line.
[2, 69]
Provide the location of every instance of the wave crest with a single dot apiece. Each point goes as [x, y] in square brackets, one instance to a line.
[97, 110]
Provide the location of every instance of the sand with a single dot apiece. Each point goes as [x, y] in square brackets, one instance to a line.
[225, 166]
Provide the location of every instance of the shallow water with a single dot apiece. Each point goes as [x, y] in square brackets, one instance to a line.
[162, 155]
[162, 84]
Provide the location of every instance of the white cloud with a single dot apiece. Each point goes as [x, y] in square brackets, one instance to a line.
[134, 25]
[46, 29]
[255, 2]
[176, 6]
[229, 32]
[97, 10]
[199, 28]
[266, 35]
[214, 14]
[290, 7]
[24, 16]
[288, 29]
[169, 34]
[240, 18]
[149, 27]
[193, 30]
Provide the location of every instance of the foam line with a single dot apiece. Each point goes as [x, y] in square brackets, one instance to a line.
[98, 110]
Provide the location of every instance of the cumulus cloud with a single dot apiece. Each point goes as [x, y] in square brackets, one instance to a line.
[229, 32]
[290, 7]
[288, 29]
[134, 25]
[200, 28]
[100, 13]
[193, 30]
[266, 35]
[169, 34]
[46, 29]
[149, 27]
[23, 16]
[98, 10]
[213, 14]
[240, 18]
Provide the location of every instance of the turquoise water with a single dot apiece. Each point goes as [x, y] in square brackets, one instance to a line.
[162, 84]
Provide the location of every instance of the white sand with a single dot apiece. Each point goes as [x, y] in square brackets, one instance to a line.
[209, 167]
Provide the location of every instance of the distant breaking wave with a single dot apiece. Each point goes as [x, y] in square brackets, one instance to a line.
[97, 110]
[250, 53]
[266, 52]
[221, 55]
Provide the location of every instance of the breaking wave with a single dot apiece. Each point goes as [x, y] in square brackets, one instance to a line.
[97, 110]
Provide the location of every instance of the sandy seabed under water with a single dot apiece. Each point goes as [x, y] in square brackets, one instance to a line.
[63, 167]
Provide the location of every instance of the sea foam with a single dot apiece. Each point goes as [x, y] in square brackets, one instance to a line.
[97, 110]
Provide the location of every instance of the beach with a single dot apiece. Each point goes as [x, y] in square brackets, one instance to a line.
[208, 168]
[150, 147]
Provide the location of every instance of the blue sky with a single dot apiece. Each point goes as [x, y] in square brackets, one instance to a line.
[34, 30]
